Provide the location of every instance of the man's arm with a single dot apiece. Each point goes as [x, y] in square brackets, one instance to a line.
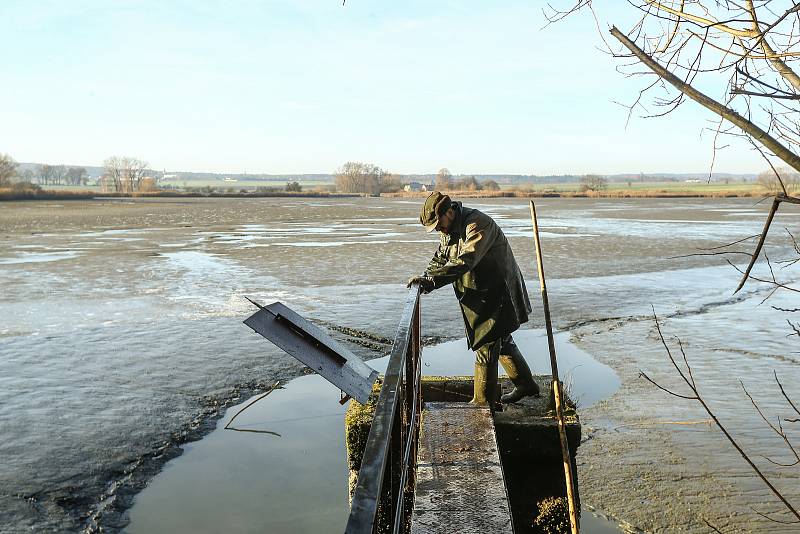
[479, 236]
[438, 259]
[425, 281]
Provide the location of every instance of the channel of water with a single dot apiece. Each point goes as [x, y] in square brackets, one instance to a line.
[284, 469]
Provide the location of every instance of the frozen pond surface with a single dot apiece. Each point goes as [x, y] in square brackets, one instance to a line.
[294, 479]
[121, 338]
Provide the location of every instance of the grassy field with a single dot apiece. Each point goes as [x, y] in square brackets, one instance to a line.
[639, 187]
[241, 184]
[667, 187]
[249, 187]
[57, 188]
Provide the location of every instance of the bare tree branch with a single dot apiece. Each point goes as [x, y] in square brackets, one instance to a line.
[693, 387]
[727, 113]
[759, 245]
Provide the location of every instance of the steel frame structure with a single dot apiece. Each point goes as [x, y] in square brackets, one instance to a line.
[385, 490]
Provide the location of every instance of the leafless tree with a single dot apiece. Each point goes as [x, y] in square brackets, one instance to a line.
[768, 180]
[747, 47]
[26, 175]
[46, 174]
[490, 185]
[468, 183]
[391, 183]
[124, 174]
[592, 182]
[76, 176]
[293, 187]
[748, 50]
[444, 180]
[59, 174]
[751, 47]
[357, 177]
[8, 169]
[51, 174]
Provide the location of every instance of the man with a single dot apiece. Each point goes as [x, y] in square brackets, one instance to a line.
[474, 255]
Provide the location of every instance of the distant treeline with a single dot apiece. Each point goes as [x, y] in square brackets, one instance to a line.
[94, 173]
[499, 178]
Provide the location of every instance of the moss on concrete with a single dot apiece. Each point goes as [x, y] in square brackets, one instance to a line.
[357, 422]
[553, 516]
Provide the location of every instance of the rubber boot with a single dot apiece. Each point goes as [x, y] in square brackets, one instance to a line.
[520, 375]
[484, 389]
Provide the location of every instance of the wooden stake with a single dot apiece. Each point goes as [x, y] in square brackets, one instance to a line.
[557, 393]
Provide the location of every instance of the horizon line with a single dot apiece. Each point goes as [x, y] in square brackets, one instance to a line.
[329, 173]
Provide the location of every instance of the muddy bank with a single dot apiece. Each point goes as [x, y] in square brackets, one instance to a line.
[87, 482]
[13, 195]
[49, 194]
[755, 191]
[658, 463]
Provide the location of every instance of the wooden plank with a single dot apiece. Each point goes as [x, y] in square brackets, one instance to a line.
[459, 481]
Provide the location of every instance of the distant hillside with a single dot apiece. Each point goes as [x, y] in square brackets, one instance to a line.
[182, 176]
[508, 179]
[511, 179]
[185, 176]
[670, 177]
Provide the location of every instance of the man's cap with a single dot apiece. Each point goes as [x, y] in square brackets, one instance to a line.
[435, 206]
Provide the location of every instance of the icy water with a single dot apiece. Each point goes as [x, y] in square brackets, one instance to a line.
[121, 339]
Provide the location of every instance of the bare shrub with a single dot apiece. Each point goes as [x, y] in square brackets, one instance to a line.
[769, 180]
[8, 169]
[490, 185]
[123, 174]
[444, 180]
[592, 182]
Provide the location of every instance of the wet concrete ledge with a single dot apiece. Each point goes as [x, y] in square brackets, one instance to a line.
[527, 437]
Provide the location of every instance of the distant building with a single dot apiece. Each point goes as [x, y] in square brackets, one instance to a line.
[229, 179]
[416, 187]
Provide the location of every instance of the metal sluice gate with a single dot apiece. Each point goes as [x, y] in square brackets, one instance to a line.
[316, 349]
[459, 470]
[385, 487]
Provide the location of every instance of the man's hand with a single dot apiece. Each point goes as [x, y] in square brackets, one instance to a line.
[425, 283]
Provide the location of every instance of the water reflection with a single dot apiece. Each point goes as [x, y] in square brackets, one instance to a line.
[243, 482]
[293, 476]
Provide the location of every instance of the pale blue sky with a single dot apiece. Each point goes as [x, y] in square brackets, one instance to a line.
[305, 85]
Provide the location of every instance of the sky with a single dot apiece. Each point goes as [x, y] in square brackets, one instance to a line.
[302, 86]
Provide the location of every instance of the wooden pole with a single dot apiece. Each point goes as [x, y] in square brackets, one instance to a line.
[562, 431]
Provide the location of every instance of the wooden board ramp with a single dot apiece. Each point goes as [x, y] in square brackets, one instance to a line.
[459, 481]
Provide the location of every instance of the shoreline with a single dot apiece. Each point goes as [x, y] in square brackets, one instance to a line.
[109, 511]
[49, 194]
[648, 469]
[655, 193]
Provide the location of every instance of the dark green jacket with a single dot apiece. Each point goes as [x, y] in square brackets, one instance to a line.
[477, 259]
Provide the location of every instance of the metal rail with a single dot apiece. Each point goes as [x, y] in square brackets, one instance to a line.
[386, 477]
